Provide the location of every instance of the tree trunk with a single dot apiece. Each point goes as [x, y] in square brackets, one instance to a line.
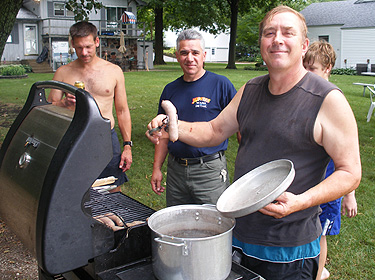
[159, 36]
[151, 30]
[8, 14]
[233, 35]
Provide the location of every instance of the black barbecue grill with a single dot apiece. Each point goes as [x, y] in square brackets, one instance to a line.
[49, 160]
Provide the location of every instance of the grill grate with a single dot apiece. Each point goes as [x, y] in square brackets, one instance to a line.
[128, 209]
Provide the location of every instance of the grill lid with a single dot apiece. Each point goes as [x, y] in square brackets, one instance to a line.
[48, 161]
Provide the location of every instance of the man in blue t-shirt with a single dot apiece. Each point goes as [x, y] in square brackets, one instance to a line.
[194, 175]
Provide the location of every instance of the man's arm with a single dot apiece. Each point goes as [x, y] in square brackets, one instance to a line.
[123, 118]
[56, 96]
[203, 134]
[161, 152]
[336, 130]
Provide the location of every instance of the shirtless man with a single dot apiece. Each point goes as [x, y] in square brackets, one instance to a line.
[105, 82]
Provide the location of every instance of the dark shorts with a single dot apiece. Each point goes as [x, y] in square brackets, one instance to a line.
[112, 168]
[296, 270]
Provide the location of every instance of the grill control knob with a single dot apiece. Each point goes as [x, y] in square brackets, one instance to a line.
[24, 160]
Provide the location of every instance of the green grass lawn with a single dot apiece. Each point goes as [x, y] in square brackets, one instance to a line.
[351, 254]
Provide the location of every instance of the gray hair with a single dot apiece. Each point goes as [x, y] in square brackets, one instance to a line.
[190, 34]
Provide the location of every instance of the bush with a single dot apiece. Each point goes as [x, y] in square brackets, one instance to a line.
[171, 52]
[27, 68]
[256, 67]
[344, 71]
[246, 53]
[246, 59]
[12, 70]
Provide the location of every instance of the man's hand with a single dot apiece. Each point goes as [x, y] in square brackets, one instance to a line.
[126, 159]
[284, 205]
[69, 101]
[156, 179]
[159, 133]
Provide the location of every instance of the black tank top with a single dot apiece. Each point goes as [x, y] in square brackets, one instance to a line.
[281, 127]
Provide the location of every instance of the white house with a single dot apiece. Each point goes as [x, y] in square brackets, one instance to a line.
[217, 46]
[348, 25]
[45, 24]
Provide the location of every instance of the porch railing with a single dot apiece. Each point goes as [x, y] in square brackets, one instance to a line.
[60, 26]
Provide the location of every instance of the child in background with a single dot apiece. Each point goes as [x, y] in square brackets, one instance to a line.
[320, 59]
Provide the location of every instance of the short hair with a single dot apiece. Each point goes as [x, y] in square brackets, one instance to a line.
[278, 10]
[322, 52]
[83, 29]
[190, 34]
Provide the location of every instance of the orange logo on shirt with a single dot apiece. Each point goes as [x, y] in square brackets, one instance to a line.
[201, 99]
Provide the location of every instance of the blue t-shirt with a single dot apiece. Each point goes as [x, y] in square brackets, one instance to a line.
[201, 100]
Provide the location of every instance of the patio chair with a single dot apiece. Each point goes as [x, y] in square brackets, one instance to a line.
[372, 105]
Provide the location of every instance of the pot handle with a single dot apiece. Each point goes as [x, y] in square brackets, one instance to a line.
[157, 239]
[183, 245]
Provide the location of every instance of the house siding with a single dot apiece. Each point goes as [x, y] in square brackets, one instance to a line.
[334, 34]
[355, 45]
[355, 29]
[358, 45]
[15, 51]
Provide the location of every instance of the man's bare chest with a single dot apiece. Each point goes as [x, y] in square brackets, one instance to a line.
[98, 83]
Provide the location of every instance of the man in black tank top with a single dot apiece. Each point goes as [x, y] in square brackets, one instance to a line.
[288, 114]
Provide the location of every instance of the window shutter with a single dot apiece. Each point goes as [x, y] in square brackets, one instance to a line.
[15, 36]
[102, 18]
[50, 9]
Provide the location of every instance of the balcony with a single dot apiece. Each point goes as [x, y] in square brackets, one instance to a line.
[59, 27]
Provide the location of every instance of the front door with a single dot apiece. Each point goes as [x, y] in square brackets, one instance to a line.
[30, 39]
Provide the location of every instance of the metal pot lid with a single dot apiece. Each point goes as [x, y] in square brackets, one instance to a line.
[256, 189]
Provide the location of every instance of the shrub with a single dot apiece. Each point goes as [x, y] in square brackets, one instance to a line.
[343, 71]
[171, 52]
[256, 67]
[27, 68]
[13, 70]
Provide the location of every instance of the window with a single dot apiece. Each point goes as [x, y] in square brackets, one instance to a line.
[114, 16]
[324, 38]
[59, 9]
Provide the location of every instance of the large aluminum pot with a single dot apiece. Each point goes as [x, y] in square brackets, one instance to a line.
[191, 242]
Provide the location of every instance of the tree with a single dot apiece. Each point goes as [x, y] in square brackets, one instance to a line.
[233, 34]
[154, 8]
[213, 16]
[82, 8]
[256, 9]
[8, 14]
[178, 15]
[146, 19]
[159, 60]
